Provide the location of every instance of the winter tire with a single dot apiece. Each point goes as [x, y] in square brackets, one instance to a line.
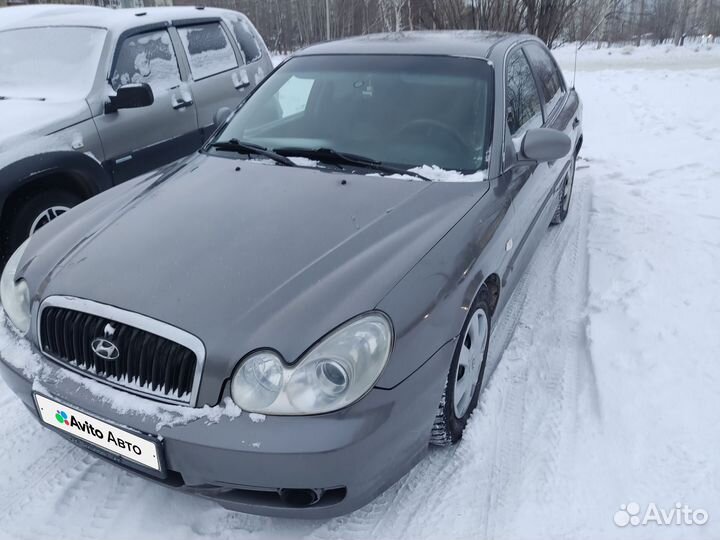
[467, 369]
[565, 195]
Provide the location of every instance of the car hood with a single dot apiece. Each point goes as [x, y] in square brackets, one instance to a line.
[245, 255]
[27, 118]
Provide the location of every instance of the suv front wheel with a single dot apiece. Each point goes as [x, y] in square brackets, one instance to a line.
[31, 212]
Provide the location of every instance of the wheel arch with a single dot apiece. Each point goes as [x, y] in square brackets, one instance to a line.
[70, 171]
[493, 286]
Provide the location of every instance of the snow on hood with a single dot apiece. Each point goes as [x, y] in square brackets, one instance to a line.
[20, 119]
[431, 172]
[436, 174]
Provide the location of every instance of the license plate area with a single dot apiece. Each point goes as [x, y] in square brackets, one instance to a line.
[118, 442]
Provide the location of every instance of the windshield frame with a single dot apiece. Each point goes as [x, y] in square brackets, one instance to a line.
[487, 158]
[98, 64]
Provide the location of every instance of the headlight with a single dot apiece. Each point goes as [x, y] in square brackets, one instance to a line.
[14, 295]
[335, 373]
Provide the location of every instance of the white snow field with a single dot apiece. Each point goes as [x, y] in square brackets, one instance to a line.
[607, 392]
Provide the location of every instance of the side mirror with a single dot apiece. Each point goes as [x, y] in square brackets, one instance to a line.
[544, 144]
[221, 115]
[130, 96]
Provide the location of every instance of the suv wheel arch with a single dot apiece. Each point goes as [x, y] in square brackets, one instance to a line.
[56, 180]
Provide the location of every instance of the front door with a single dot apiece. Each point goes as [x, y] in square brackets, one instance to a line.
[530, 183]
[140, 140]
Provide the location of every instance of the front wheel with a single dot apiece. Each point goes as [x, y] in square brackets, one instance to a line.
[467, 369]
[565, 195]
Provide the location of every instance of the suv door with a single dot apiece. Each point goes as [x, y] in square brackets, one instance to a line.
[139, 140]
[217, 80]
[252, 47]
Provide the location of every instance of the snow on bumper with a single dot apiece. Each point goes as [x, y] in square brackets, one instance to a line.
[242, 460]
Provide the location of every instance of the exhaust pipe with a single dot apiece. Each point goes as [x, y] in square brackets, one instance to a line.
[300, 498]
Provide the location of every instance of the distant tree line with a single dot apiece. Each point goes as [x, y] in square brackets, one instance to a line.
[640, 21]
[289, 24]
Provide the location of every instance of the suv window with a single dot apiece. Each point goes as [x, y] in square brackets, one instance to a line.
[521, 95]
[246, 39]
[147, 58]
[547, 72]
[208, 49]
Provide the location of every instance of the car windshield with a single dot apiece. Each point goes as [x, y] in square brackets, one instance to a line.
[53, 63]
[401, 110]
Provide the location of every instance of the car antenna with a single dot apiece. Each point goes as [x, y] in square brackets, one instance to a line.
[611, 13]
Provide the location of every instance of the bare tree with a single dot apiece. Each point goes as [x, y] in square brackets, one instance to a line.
[290, 24]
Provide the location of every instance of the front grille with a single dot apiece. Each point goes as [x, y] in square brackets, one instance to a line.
[146, 363]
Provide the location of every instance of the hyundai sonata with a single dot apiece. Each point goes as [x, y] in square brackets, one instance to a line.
[286, 320]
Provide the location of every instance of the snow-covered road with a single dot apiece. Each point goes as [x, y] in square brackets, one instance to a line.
[607, 392]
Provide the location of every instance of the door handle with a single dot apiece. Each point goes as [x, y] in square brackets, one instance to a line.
[240, 81]
[180, 103]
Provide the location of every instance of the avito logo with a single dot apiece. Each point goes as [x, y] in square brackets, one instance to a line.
[86, 427]
[62, 417]
[681, 514]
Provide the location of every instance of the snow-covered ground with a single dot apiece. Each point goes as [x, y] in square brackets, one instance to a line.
[694, 55]
[607, 393]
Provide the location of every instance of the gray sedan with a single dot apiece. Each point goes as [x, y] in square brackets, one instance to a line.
[286, 320]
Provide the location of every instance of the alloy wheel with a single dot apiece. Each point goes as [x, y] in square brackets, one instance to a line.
[46, 216]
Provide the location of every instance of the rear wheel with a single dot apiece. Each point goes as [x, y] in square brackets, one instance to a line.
[565, 194]
[467, 369]
[29, 213]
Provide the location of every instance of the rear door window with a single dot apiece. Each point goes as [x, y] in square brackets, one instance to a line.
[147, 58]
[521, 95]
[246, 39]
[547, 72]
[208, 48]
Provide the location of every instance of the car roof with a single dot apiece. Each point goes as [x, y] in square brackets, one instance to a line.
[112, 19]
[468, 43]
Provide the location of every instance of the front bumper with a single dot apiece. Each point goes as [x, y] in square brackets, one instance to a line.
[350, 456]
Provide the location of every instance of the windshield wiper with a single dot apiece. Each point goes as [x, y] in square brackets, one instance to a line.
[328, 155]
[23, 98]
[234, 145]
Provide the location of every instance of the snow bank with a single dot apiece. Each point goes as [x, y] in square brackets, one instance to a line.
[663, 57]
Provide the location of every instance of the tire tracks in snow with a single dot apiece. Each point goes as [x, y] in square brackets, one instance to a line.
[32, 464]
[50, 475]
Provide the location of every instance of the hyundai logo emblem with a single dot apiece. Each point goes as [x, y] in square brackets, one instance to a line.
[103, 347]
